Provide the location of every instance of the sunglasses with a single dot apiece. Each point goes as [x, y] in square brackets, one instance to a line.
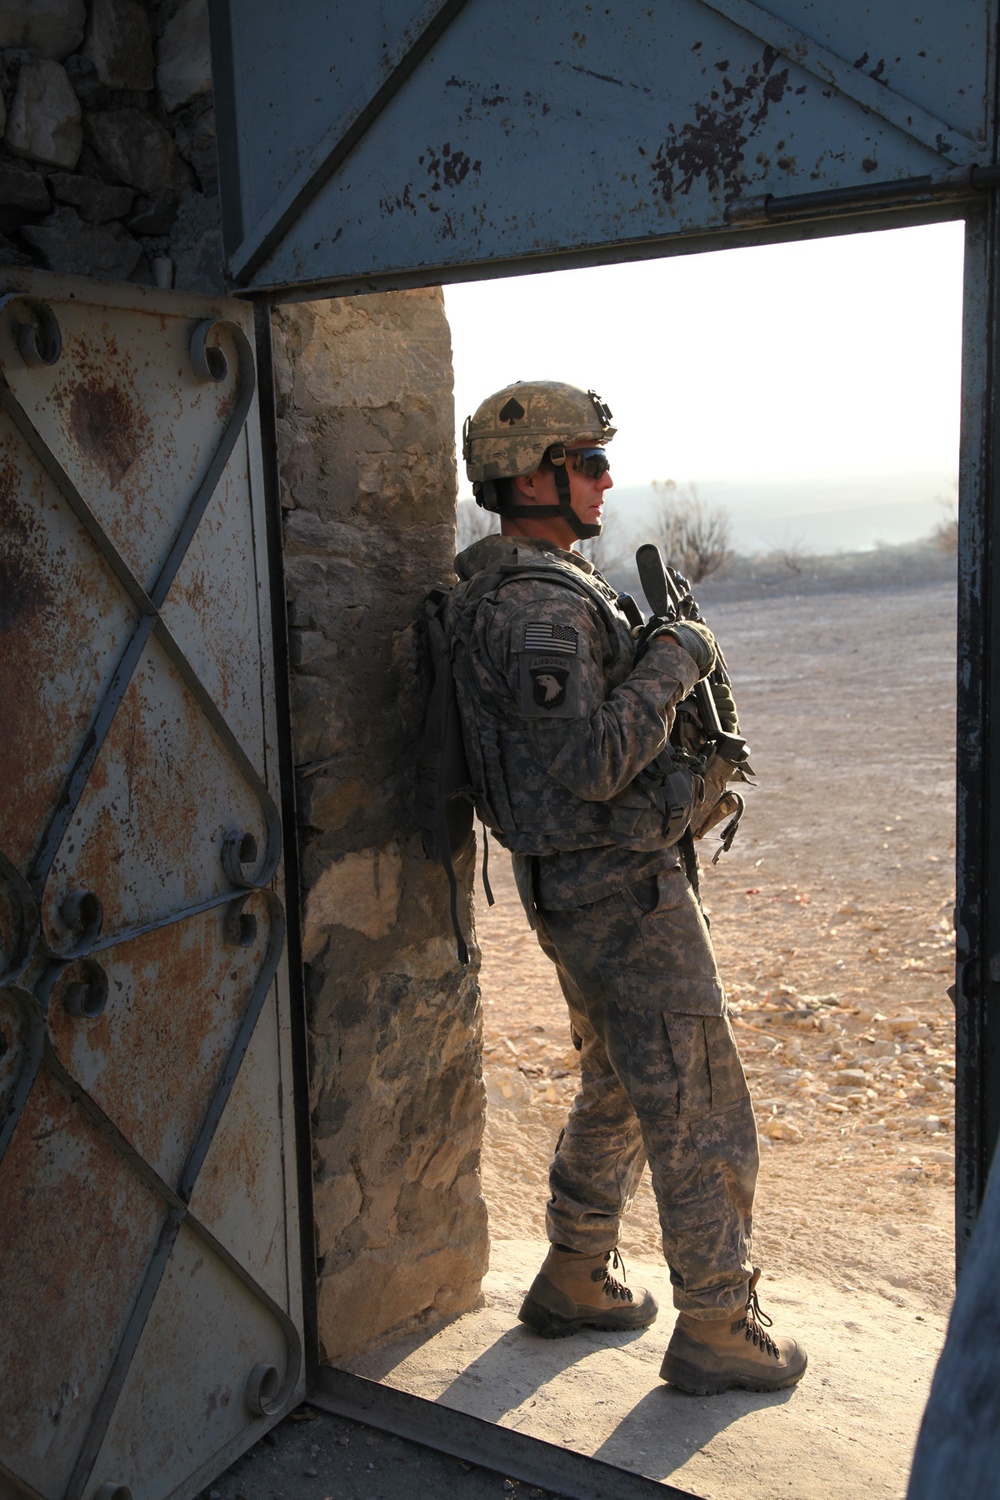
[590, 462]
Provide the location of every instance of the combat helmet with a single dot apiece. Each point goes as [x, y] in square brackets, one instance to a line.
[514, 429]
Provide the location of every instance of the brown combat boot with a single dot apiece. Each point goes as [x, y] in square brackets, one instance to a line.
[706, 1356]
[574, 1291]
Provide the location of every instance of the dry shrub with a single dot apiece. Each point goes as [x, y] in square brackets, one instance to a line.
[945, 533]
[694, 536]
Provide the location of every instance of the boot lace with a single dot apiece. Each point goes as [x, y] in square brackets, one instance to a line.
[754, 1321]
[613, 1288]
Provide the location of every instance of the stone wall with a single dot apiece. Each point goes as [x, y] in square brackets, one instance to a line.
[367, 464]
[107, 141]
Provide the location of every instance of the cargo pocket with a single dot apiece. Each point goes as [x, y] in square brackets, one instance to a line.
[674, 1057]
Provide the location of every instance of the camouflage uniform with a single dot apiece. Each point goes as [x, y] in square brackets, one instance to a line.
[561, 722]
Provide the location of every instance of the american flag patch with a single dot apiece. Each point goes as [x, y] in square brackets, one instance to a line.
[544, 636]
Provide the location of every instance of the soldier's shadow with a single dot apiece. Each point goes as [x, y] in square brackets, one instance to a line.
[666, 1428]
[519, 1365]
[535, 1378]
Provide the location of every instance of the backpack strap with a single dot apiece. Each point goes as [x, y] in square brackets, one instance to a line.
[444, 791]
[566, 576]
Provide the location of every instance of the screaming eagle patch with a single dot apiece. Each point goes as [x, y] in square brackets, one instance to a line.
[550, 671]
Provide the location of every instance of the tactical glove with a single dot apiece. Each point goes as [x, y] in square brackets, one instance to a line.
[643, 634]
[728, 717]
[697, 640]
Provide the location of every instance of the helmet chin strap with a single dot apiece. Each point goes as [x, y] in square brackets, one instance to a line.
[581, 529]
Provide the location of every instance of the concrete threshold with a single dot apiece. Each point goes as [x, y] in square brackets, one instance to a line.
[846, 1432]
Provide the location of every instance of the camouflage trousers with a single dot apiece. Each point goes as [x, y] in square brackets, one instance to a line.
[661, 1081]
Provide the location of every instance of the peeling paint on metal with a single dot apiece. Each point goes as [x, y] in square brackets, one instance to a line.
[713, 145]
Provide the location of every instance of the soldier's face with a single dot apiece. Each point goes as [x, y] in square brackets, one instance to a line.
[587, 489]
[586, 492]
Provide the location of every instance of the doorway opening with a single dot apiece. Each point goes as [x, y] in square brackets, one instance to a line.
[809, 394]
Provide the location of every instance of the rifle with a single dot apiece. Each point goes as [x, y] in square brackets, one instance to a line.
[669, 597]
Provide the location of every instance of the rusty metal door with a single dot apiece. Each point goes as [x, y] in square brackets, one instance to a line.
[150, 1277]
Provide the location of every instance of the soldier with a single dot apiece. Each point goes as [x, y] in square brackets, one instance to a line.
[567, 711]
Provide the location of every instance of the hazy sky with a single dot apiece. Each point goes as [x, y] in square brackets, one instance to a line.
[833, 358]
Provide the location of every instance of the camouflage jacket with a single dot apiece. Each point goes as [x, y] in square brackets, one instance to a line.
[566, 735]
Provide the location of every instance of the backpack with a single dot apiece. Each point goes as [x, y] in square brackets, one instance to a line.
[445, 794]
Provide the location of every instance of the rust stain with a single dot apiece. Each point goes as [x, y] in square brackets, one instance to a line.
[712, 147]
[109, 426]
[176, 997]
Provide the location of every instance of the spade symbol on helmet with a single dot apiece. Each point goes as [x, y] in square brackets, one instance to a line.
[512, 411]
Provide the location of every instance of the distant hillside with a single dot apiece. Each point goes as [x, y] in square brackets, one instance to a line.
[810, 515]
[793, 572]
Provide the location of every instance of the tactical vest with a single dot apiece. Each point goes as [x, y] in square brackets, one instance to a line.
[524, 807]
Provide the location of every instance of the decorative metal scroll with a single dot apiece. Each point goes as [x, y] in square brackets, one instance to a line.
[63, 974]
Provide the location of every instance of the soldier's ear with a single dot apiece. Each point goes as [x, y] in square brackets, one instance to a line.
[527, 484]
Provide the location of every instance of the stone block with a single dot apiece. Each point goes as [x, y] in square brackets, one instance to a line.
[183, 57]
[360, 891]
[50, 28]
[44, 123]
[298, 468]
[95, 201]
[137, 149]
[329, 802]
[69, 245]
[318, 729]
[120, 44]
[23, 189]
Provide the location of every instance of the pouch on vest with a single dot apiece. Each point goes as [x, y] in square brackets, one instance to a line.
[654, 810]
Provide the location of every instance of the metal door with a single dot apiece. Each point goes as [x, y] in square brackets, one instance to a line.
[150, 1280]
[412, 141]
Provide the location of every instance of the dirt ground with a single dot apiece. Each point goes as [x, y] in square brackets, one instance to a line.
[832, 917]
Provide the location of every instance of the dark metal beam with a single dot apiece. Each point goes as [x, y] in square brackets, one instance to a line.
[573, 1476]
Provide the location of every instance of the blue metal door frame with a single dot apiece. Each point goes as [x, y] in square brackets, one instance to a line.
[449, 140]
